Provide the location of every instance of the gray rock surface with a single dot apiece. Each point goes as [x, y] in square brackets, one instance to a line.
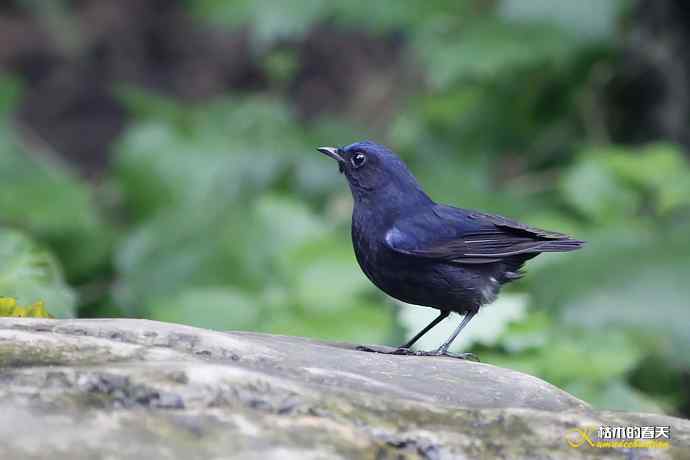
[121, 388]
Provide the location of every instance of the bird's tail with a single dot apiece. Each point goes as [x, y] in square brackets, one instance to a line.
[563, 245]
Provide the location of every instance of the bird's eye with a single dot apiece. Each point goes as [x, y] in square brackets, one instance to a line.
[358, 160]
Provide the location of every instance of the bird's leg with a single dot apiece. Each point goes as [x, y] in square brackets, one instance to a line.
[438, 319]
[405, 349]
[443, 349]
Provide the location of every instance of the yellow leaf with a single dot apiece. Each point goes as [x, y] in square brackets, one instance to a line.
[38, 310]
[7, 302]
[9, 307]
[19, 312]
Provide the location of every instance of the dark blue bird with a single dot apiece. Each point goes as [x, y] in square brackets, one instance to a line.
[430, 254]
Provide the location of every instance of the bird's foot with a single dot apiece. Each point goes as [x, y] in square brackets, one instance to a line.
[465, 356]
[410, 352]
[376, 349]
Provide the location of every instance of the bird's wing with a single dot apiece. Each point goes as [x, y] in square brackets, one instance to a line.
[453, 234]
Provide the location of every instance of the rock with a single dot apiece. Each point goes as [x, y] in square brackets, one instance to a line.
[123, 388]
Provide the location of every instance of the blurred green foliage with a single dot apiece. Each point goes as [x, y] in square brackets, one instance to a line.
[222, 215]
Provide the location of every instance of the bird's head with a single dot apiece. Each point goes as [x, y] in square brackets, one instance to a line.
[371, 168]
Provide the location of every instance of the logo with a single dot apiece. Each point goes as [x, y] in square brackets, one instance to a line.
[620, 437]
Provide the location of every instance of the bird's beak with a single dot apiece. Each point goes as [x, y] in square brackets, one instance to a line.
[331, 152]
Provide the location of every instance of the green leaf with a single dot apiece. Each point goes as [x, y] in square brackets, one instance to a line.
[609, 183]
[31, 274]
[586, 20]
[597, 191]
[571, 354]
[208, 155]
[660, 169]
[214, 307]
[489, 48]
[10, 90]
[298, 224]
[651, 299]
[271, 22]
[345, 324]
[153, 261]
[627, 278]
[325, 275]
[530, 333]
[44, 197]
[615, 395]
[199, 170]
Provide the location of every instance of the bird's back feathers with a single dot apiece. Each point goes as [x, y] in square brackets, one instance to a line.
[458, 235]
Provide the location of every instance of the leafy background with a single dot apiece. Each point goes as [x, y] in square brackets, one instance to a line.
[157, 161]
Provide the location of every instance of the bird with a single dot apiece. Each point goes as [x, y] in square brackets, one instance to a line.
[429, 254]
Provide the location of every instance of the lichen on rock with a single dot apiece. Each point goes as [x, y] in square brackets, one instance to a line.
[126, 388]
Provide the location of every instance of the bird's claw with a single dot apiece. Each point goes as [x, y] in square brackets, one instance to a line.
[373, 349]
[465, 356]
[410, 352]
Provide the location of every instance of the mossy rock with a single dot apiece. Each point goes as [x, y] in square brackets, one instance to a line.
[126, 388]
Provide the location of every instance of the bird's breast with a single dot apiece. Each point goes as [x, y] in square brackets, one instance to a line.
[367, 252]
[417, 281]
[368, 241]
